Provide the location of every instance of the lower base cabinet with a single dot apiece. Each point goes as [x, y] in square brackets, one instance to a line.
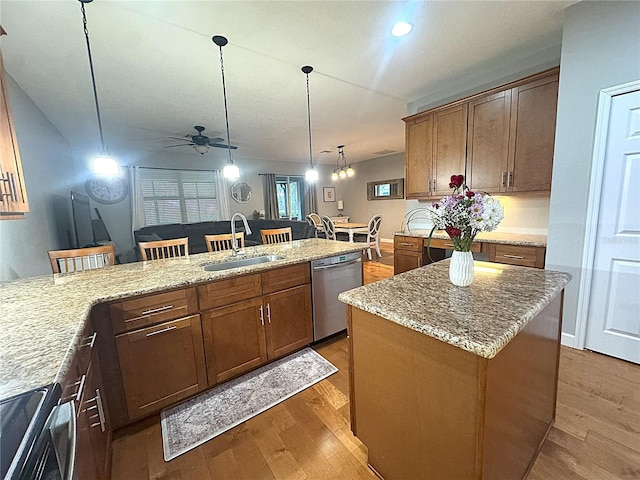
[161, 365]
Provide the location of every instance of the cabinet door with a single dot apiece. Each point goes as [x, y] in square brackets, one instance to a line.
[161, 365]
[405, 260]
[234, 339]
[418, 158]
[488, 142]
[288, 320]
[533, 128]
[13, 194]
[449, 147]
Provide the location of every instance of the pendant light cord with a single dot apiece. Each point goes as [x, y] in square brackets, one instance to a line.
[93, 77]
[309, 121]
[226, 115]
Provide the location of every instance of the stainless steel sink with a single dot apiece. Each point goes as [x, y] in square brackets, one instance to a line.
[216, 267]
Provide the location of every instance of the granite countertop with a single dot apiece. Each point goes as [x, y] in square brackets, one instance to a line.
[480, 319]
[524, 239]
[43, 317]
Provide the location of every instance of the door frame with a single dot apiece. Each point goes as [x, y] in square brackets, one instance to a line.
[593, 205]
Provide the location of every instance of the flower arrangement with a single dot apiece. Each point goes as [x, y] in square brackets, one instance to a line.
[464, 214]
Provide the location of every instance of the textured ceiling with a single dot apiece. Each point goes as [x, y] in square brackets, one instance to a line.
[158, 72]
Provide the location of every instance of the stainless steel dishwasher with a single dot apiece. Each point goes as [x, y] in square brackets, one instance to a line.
[329, 277]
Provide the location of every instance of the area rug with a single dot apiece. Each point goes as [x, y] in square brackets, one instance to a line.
[215, 411]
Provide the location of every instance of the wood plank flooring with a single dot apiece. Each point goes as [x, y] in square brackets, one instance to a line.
[596, 435]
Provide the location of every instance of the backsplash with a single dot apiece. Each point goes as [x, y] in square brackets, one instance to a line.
[522, 214]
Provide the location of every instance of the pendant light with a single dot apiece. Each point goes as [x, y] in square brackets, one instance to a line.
[311, 175]
[103, 164]
[342, 171]
[230, 170]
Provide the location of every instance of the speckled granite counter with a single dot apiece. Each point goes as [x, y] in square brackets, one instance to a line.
[42, 317]
[481, 318]
[487, 237]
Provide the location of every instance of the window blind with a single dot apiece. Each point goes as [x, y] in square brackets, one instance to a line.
[178, 196]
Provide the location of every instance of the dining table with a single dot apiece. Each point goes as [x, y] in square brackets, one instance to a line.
[351, 228]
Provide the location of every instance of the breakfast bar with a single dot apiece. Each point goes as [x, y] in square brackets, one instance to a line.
[454, 382]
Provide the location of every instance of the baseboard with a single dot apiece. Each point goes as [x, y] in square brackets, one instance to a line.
[568, 340]
[386, 240]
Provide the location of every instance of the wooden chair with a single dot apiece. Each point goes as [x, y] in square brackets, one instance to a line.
[315, 221]
[79, 259]
[276, 235]
[329, 228]
[159, 249]
[224, 241]
[373, 235]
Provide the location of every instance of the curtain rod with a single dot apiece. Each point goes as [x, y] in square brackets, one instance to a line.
[178, 169]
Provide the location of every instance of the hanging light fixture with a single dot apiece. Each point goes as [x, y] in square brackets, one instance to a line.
[311, 175]
[230, 170]
[342, 171]
[103, 164]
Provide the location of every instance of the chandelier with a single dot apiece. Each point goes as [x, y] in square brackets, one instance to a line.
[342, 171]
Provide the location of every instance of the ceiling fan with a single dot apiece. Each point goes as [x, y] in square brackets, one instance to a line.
[200, 142]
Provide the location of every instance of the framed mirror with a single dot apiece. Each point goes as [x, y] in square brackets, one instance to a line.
[385, 189]
[241, 192]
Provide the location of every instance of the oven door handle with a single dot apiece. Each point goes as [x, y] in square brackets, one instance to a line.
[62, 426]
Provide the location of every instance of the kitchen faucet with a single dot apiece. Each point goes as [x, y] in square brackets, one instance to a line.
[247, 231]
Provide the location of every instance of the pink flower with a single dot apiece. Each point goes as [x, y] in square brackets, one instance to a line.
[453, 231]
[470, 194]
[456, 181]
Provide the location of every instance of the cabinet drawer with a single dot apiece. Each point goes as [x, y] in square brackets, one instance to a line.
[448, 244]
[286, 277]
[412, 244]
[517, 255]
[226, 292]
[143, 311]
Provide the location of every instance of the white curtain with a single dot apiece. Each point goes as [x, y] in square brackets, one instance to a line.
[137, 200]
[223, 194]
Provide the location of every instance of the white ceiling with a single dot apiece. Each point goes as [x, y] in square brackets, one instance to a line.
[158, 72]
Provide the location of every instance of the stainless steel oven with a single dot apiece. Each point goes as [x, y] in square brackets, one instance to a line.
[37, 436]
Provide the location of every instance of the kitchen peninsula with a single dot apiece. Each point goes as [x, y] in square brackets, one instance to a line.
[455, 383]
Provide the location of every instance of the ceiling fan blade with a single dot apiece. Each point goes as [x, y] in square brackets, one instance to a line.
[215, 140]
[184, 139]
[181, 145]
[223, 145]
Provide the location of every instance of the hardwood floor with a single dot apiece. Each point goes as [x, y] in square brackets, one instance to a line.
[596, 435]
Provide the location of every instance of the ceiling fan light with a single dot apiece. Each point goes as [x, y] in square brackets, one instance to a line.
[334, 176]
[201, 149]
[350, 172]
[105, 165]
[311, 175]
[231, 171]
[342, 173]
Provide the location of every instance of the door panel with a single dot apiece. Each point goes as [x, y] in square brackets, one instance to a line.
[288, 320]
[613, 323]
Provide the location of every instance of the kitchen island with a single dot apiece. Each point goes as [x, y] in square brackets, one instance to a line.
[455, 383]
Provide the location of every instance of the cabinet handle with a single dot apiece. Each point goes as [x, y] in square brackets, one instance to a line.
[98, 405]
[405, 244]
[268, 312]
[11, 183]
[91, 341]
[156, 310]
[261, 315]
[504, 174]
[509, 178]
[517, 257]
[75, 396]
[168, 329]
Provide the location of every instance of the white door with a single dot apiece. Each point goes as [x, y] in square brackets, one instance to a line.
[613, 322]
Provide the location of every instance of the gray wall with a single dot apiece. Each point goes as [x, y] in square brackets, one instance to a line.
[49, 175]
[600, 49]
[353, 192]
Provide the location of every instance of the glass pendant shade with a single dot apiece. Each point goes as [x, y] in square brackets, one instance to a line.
[350, 172]
[311, 175]
[342, 174]
[334, 176]
[231, 171]
[105, 165]
[201, 149]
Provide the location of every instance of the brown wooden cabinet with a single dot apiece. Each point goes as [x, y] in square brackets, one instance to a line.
[408, 253]
[270, 318]
[161, 364]
[532, 135]
[13, 193]
[502, 138]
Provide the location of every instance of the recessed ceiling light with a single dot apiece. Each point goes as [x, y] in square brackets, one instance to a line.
[400, 29]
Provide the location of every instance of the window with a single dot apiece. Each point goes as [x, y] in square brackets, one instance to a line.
[178, 196]
[385, 189]
[290, 197]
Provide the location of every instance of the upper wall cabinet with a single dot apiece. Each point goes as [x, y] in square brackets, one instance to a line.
[502, 139]
[13, 194]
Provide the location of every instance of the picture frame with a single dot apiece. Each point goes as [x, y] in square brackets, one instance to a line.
[329, 194]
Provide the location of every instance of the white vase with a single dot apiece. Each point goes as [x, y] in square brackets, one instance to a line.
[461, 268]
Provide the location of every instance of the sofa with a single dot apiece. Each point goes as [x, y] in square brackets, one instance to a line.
[196, 232]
